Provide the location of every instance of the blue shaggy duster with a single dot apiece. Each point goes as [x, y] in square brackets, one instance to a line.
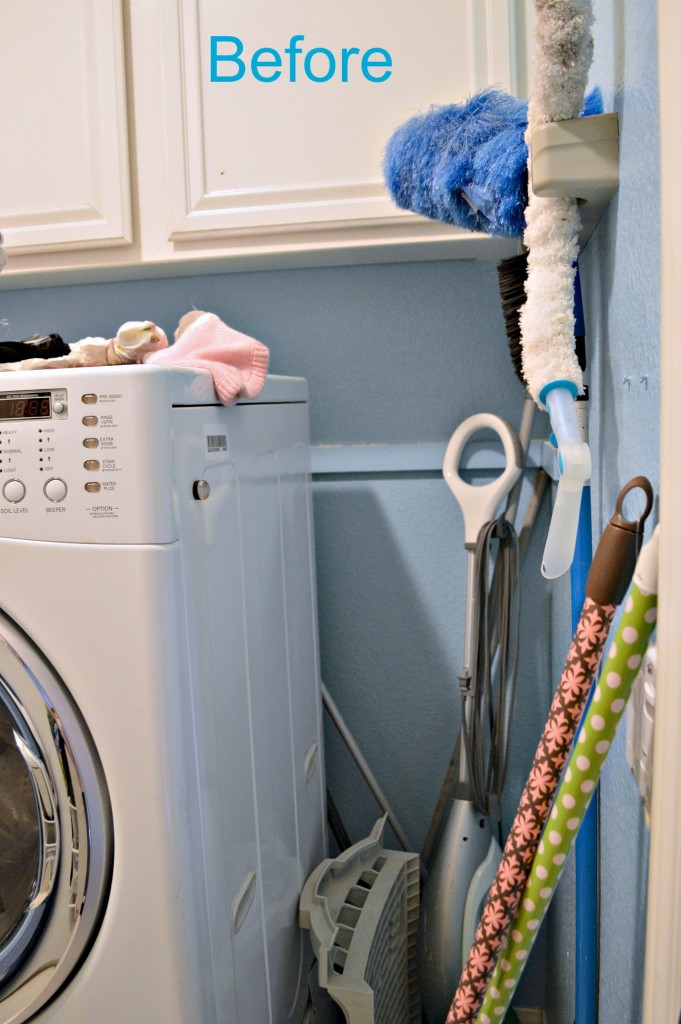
[466, 164]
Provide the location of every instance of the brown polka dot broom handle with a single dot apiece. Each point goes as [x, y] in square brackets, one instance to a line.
[579, 781]
[611, 571]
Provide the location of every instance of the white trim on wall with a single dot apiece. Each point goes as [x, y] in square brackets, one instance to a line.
[662, 999]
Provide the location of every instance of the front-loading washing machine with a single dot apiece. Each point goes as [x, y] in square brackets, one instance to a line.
[162, 797]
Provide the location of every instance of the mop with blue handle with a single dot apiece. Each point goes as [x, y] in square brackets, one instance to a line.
[467, 165]
[561, 62]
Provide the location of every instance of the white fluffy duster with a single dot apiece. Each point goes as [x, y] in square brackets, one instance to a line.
[562, 57]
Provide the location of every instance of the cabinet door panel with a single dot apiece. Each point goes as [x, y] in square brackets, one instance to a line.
[254, 157]
[64, 176]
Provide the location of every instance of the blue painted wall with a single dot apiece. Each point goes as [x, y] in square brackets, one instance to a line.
[396, 353]
[403, 353]
[620, 274]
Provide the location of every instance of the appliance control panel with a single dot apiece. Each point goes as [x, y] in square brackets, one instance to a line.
[85, 456]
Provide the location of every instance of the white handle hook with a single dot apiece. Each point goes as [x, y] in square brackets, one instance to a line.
[574, 463]
[479, 504]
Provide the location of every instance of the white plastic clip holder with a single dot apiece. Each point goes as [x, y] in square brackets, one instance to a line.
[574, 467]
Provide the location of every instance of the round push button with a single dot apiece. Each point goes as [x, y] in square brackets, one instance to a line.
[55, 489]
[58, 407]
[14, 491]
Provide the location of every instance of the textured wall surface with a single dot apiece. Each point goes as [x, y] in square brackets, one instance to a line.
[392, 354]
[620, 275]
[398, 354]
[402, 354]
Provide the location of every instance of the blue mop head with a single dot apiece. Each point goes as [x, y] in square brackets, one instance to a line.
[466, 164]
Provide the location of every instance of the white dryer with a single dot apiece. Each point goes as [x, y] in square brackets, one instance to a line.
[161, 772]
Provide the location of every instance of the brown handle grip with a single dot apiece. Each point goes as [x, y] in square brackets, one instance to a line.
[615, 559]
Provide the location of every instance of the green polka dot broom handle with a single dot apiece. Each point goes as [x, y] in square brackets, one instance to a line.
[580, 778]
[611, 572]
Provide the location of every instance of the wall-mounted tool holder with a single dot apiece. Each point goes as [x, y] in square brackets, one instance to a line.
[578, 159]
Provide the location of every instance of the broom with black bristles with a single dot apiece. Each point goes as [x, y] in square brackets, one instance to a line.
[512, 275]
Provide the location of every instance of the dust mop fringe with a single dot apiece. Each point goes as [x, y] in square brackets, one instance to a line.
[561, 61]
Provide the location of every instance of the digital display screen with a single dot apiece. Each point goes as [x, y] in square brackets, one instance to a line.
[27, 405]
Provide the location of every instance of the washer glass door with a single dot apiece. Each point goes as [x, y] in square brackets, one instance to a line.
[20, 831]
[29, 834]
[56, 843]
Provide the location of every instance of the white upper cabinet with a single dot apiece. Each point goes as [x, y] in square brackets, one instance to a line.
[277, 114]
[256, 128]
[64, 176]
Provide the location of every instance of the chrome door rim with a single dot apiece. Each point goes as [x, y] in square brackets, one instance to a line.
[13, 949]
[73, 882]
